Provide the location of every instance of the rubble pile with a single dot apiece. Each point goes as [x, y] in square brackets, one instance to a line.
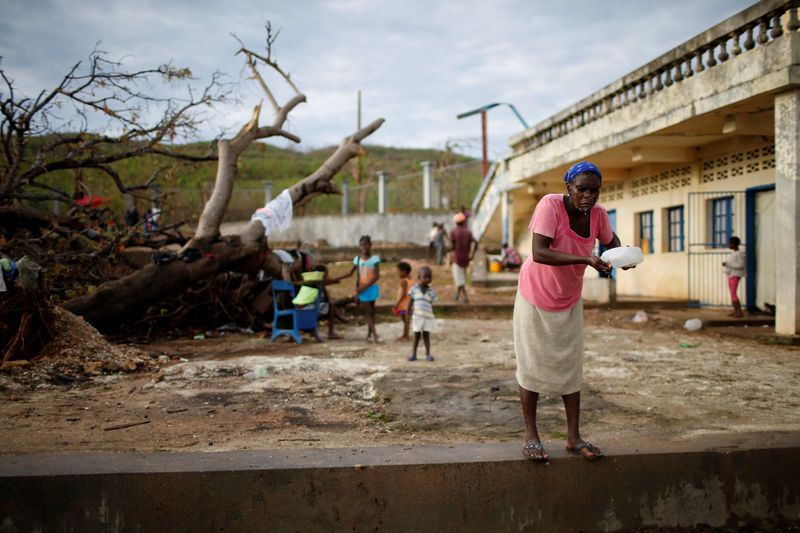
[77, 353]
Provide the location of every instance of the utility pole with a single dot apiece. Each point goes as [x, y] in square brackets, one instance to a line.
[357, 167]
[482, 110]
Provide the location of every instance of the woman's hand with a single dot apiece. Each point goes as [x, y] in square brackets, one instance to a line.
[598, 264]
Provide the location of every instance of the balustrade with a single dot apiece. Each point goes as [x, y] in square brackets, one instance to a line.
[723, 53]
[736, 50]
[762, 31]
[712, 61]
[749, 44]
[683, 62]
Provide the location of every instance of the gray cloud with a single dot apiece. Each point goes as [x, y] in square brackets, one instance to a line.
[417, 63]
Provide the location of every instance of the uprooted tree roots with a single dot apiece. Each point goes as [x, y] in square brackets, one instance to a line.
[230, 300]
[26, 323]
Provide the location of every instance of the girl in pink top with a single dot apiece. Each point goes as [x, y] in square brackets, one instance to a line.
[548, 313]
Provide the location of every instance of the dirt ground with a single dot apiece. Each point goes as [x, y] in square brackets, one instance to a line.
[651, 381]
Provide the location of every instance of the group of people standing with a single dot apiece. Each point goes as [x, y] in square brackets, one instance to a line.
[462, 247]
[548, 311]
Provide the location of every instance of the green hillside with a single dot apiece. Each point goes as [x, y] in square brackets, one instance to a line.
[188, 185]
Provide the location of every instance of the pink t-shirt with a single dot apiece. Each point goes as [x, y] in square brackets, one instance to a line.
[558, 288]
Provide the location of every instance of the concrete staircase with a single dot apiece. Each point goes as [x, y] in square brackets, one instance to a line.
[487, 200]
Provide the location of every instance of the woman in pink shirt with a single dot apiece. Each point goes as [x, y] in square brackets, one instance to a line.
[548, 312]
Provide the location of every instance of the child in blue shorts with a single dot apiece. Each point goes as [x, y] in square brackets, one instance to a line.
[367, 269]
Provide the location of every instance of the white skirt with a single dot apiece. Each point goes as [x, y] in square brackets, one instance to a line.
[548, 348]
[459, 276]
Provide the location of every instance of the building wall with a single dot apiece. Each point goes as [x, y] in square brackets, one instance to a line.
[726, 166]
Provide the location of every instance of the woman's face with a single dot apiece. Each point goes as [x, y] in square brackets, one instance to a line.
[584, 191]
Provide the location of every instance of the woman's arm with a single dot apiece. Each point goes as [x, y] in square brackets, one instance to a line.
[542, 253]
[614, 243]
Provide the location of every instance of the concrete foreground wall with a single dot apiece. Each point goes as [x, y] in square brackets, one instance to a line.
[475, 487]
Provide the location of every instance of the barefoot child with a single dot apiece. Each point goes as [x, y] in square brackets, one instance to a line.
[399, 309]
[367, 269]
[420, 309]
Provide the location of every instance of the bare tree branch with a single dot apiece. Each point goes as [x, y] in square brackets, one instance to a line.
[229, 151]
[38, 137]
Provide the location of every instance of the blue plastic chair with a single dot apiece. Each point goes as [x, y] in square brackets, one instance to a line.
[304, 318]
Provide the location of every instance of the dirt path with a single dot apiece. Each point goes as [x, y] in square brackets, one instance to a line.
[640, 382]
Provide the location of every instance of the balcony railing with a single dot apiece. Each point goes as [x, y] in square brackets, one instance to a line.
[758, 24]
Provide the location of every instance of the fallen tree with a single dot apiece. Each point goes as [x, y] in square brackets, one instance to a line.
[122, 300]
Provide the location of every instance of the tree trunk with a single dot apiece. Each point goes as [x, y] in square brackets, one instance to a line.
[214, 210]
[120, 300]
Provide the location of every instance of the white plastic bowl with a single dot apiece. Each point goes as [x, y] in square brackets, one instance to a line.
[623, 256]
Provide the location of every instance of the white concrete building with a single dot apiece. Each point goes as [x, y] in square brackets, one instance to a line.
[699, 144]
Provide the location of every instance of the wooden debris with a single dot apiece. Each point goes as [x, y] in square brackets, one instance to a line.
[123, 426]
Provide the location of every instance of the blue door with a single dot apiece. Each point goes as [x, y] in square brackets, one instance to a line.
[612, 218]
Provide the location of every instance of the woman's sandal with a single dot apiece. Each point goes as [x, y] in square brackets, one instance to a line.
[587, 446]
[536, 447]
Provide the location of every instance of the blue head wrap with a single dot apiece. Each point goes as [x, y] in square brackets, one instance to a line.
[580, 168]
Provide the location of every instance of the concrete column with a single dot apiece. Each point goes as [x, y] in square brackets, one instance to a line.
[345, 195]
[267, 192]
[437, 193]
[427, 183]
[787, 217]
[504, 201]
[512, 236]
[382, 198]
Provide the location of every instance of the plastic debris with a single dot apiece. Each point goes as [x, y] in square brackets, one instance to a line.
[9, 272]
[259, 373]
[277, 214]
[693, 324]
[623, 256]
[190, 255]
[28, 273]
[687, 345]
[162, 258]
[640, 317]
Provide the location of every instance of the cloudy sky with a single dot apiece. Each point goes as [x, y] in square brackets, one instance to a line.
[418, 63]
